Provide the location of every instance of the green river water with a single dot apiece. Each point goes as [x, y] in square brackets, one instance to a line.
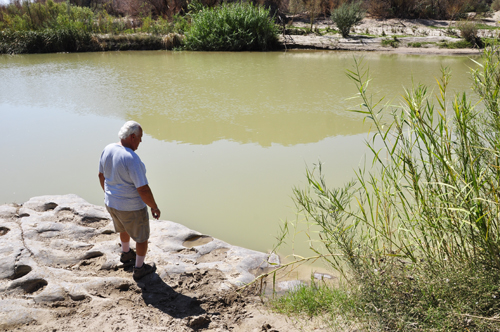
[227, 135]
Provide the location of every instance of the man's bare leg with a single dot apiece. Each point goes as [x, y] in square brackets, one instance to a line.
[125, 240]
[141, 250]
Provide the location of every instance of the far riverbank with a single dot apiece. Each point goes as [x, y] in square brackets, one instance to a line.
[402, 36]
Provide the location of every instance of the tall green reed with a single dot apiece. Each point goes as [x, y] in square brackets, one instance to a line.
[426, 211]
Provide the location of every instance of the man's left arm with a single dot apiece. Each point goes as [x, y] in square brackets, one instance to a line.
[148, 198]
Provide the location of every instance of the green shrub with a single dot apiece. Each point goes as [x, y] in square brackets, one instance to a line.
[51, 15]
[232, 27]
[180, 24]
[495, 5]
[469, 31]
[348, 15]
[138, 41]
[457, 44]
[394, 42]
[158, 27]
[45, 41]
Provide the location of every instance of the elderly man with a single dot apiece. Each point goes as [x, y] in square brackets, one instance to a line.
[126, 193]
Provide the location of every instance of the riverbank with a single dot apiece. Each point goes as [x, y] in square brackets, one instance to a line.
[60, 271]
[390, 35]
[399, 36]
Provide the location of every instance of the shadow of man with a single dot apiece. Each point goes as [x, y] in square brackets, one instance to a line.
[160, 295]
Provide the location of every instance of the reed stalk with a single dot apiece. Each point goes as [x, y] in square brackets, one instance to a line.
[417, 231]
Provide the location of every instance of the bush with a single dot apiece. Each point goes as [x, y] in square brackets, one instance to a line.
[394, 42]
[232, 27]
[468, 31]
[417, 235]
[456, 45]
[158, 27]
[495, 5]
[46, 41]
[348, 15]
[442, 9]
[51, 15]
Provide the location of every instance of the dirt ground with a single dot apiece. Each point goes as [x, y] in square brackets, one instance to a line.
[181, 302]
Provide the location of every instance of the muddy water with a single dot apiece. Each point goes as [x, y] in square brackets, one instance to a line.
[227, 135]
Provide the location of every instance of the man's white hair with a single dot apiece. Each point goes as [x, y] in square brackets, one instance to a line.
[129, 128]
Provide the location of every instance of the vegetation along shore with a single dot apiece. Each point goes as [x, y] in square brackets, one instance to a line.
[416, 26]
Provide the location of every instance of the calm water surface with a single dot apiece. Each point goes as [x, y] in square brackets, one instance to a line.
[227, 135]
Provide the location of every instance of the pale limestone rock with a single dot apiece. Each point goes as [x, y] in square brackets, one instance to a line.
[17, 311]
[61, 248]
[7, 211]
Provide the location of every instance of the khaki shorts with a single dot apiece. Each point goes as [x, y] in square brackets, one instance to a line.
[135, 223]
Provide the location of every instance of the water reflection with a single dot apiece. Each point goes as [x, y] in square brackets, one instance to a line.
[264, 129]
[227, 135]
[284, 98]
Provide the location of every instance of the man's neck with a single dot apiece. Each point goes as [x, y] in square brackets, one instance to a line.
[125, 143]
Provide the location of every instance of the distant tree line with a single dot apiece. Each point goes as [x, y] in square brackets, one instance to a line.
[435, 9]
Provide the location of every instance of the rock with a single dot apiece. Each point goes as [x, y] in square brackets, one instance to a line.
[7, 211]
[16, 311]
[11, 247]
[273, 259]
[290, 285]
[322, 276]
[198, 322]
[61, 250]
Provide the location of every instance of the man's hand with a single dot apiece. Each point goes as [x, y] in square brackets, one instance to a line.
[156, 213]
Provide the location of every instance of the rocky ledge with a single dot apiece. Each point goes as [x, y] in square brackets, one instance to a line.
[60, 271]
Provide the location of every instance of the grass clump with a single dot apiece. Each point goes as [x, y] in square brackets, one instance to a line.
[457, 44]
[417, 234]
[232, 27]
[415, 44]
[348, 15]
[45, 41]
[469, 32]
[316, 299]
[394, 42]
[420, 44]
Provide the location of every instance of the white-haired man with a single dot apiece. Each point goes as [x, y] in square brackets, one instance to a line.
[122, 175]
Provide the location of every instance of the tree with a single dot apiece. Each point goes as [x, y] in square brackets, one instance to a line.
[348, 15]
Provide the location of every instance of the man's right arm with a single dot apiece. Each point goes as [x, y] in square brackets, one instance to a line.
[101, 180]
[148, 198]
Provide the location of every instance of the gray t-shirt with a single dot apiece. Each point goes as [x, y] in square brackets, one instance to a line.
[123, 172]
